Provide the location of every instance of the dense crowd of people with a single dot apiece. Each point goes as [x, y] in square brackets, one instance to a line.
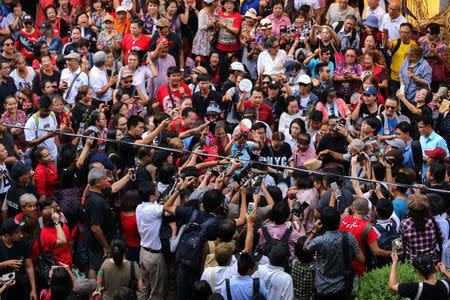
[167, 149]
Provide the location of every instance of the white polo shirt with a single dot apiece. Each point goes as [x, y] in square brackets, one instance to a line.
[393, 26]
[97, 80]
[68, 77]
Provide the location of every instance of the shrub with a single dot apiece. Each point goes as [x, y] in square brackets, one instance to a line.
[374, 285]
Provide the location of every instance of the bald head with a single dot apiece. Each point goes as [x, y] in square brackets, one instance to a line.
[394, 9]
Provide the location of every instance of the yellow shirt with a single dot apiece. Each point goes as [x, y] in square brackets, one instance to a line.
[398, 58]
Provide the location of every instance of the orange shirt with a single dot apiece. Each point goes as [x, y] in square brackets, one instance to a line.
[125, 26]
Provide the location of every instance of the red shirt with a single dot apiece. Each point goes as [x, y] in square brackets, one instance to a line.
[264, 113]
[62, 118]
[26, 52]
[177, 126]
[128, 44]
[235, 20]
[46, 179]
[356, 227]
[130, 230]
[48, 241]
[19, 217]
[163, 97]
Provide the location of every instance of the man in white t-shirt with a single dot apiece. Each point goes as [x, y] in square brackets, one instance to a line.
[98, 79]
[43, 119]
[216, 276]
[278, 283]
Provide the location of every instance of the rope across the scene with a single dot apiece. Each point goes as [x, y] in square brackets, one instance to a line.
[228, 158]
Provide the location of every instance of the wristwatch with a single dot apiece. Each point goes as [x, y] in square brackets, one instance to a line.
[56, 223]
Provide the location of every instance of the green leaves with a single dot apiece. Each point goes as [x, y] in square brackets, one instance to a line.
[375, 284]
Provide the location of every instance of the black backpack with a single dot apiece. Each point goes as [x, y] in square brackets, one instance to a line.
[255, 287]
[190, 248]
[270, 242]
[43, 265]
[387, 235]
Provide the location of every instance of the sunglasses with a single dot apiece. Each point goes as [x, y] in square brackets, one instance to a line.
[266, 82]
[302, 84]
[28, 23]
[128, 81]
[159, 27]
[8, 45]
[275, 47]
[390, 107]
[328, 53]
[428, 32]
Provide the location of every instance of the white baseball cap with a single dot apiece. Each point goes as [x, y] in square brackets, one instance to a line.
[305, 79]
[120, 8]
[237, 66]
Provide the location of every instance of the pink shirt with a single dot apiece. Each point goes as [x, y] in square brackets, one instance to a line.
[341, 106]
[283, 22]
[276, 232]
[299, 159]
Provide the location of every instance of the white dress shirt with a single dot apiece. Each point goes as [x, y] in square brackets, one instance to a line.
[378, 12]
[148, 218]
[97, 80]
[68, 77]
[393, 26]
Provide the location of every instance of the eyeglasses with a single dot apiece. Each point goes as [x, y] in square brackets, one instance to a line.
[275, 46]
[9, 44]
[390, 107]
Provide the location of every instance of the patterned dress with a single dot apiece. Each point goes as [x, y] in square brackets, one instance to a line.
[202, 44]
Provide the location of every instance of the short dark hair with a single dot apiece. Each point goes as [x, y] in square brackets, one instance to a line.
[259, 125]
[44, 102]
[185, 112]
[203, 77]
[405, 127]
[434, 28]
[384, 209]
[330, 219]
[316, 115]
[146, 189]
[246, 262]
[83, 43]
[133, 121]
[333, 176]
[137, 21]
[257, 89]
[403, 178]
[173, 70]
[426, 120]
[436, 204]
[280, 212]
[212, 200]
[4, 41]
[226, 229]
[303, 256]
[407, 24]
[374, 123]
[437, 170]
[320, 66]
[144, 152]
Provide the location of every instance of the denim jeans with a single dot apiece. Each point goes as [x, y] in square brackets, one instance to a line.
[185, 281]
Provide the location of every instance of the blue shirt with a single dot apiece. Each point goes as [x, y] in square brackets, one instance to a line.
[433, 141]
[408, 159]
[391, 124]
[422, 70]
[245, 154]
[312, 66]
[242, 288]
[246, 5]
[55, 44]
[400, 208]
